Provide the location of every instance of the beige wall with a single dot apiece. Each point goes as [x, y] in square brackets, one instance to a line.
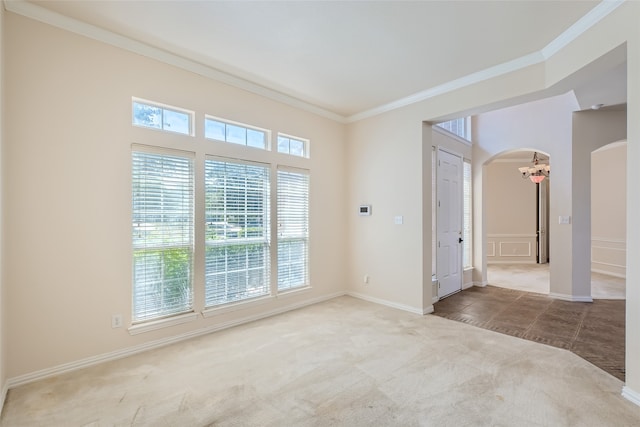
[58, 316]
[3, 375]
[68, 208]
[609, 209]
[397, 130]
[543, 126]
[591, 130]
[511, 211]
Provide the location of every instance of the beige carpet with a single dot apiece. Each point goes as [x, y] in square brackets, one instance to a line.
[344, 362]
[535, 278]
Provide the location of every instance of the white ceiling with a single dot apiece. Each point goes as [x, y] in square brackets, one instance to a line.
[344, 57]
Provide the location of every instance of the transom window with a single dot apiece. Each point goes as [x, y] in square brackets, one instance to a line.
[235, 133]
[161, 117]
[460, 127]
[294, 146]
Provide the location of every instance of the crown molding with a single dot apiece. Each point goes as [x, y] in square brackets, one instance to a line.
[41, 14]
[30, 10]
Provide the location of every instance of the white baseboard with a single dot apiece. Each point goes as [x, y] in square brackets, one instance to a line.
[571, 298]
[392, 304]
[119, 354]
[480, 284]
[512, 262]
[3, 397]
[630, 395]
[467, 285]
[434, 300]
[609, 273]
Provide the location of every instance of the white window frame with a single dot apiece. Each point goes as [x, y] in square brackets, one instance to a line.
[200, 153]
[293, 227]
[145, 233]
[460, 127]
[190, 114]
[305, 145]
[246, 127]
[236, 237]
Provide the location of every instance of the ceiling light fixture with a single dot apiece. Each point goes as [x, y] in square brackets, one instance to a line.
[538, 172]
[597, 106]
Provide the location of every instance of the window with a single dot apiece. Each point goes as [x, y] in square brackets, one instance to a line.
[460, 127]
[293, 229]
[294, 146]
[162, 227]
[467, 216]
[157, 116]
[235, 222]
[235, 133]
[237, 231]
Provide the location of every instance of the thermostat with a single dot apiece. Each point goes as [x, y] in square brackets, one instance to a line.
[365, 210]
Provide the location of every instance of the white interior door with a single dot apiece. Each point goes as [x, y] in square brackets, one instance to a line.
[449, 223]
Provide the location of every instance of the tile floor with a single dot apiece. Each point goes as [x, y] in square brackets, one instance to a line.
[594, 331]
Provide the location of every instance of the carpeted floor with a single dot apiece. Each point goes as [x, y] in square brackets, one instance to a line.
[594, 331]
[344, 362]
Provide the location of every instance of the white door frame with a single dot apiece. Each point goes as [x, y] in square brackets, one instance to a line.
[449, 189]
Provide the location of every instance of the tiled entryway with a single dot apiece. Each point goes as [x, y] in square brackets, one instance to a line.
[594, 331]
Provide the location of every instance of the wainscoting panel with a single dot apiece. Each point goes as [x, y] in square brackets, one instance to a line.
[511, 248]
[609, 256]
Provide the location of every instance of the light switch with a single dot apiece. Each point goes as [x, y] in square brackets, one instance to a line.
[564, 219]
[398, 220]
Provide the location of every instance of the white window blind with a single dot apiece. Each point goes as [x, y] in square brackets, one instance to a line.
[467, 216]
[293, 229]
[162, 226]
[237, 231]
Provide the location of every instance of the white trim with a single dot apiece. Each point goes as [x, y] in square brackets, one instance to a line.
[491, 253]
[467, 285]
[468, 80]
[528, 254]
[582, 25]
[630, 395]
[565, 297]
[609, 263]
[434, 299]
[41, 14]
[162, 323]
[609, 240]
[391, 304]
[3, 396]
[119, 354]
[524, 261]
[481, 284]
[608, 272]
[236, 305]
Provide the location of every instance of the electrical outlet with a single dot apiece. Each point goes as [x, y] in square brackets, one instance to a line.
[366, 279]
[116, 321]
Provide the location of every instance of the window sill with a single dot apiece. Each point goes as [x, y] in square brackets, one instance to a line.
[162, 323]
[294, 291]
[234, 306]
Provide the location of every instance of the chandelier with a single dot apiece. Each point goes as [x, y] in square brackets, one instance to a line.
[537, 173]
